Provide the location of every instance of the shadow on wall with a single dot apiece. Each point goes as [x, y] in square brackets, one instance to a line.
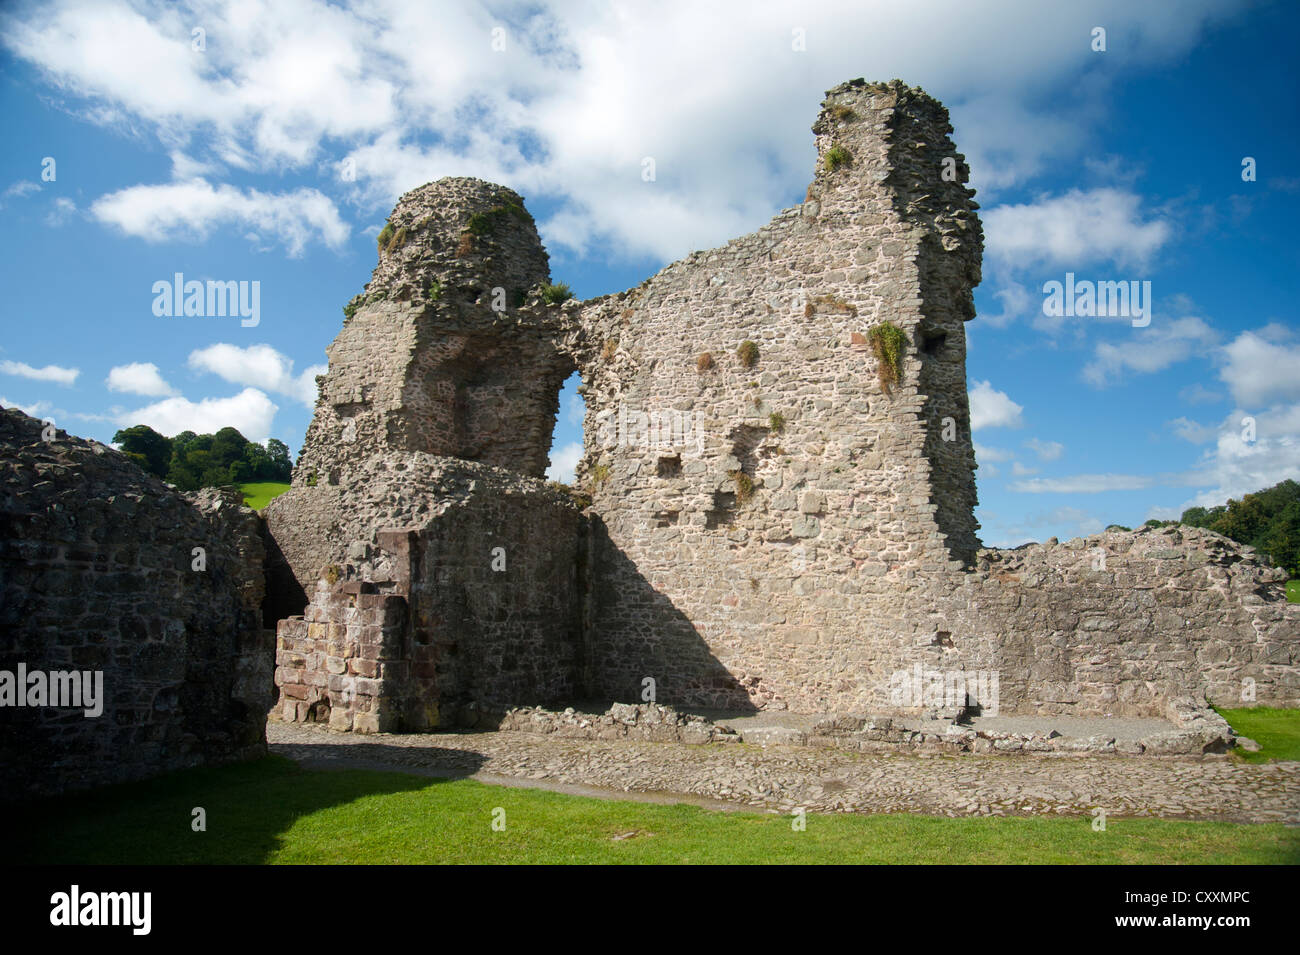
[635, 633]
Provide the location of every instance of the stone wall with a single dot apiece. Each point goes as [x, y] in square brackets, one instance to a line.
[774, 522]
[96, 574]
[474, 604]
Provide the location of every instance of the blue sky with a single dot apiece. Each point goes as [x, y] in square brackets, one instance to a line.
[270, 145]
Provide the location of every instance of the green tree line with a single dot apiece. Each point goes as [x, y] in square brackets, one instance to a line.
[1268, 520]
[191, 461]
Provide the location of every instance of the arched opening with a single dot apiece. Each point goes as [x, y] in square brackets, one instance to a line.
[567, 437]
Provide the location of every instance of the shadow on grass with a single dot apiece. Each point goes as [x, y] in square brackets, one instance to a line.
[248, 807]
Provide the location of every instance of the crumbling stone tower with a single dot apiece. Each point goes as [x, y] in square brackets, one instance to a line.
[779, 515]
[784, 536]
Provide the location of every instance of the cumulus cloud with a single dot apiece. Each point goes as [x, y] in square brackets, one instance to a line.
[1074, 229]
[1243, 453]
[579, 96]
[260, 366]
[54, 373]
[1246, 452]
[139, 378]
[1261, 366]
[250, 411]
[564, 461]
[192, 209]
[1154, 348]
[990, 408]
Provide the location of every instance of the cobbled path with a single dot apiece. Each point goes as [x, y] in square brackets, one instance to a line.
[782, 778]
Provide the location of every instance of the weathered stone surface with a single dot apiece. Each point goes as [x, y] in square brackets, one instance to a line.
[779, 526]
[97, 573]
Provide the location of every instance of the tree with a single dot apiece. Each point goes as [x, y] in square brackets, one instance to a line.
[1268, 520]
[142, 444]
[227, 447]
[281, 463]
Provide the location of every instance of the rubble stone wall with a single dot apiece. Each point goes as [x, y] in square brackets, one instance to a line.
[478, 604]
[97, 575]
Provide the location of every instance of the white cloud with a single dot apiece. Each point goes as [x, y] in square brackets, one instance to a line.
[1262, 367]
[1017, 302]
[1020, 470]
[138, 378]
[564, 461]
[23, 187]
[1086, 484]
[985, 453]
[62, 210]
[192, 209]
[1154, 348]
[60, 376]
[582, 93]
[35, 409]
[1193, 431]
[1075, 229]
[250, 411]
[1046, 450]
[574, 411]
[1237, 464]
[260, 366]
[990, 408]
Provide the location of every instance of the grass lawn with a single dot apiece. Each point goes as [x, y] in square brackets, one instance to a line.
[258, 495]
[1276, 731]
[271, 811]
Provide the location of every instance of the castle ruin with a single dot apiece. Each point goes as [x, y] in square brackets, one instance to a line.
[780, 514]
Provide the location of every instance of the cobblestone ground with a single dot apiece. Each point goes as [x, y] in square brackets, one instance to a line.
[785, 777]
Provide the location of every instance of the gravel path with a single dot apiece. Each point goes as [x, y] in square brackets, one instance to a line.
[785, 777]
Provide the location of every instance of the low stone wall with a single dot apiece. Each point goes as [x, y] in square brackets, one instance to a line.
[1123, 623]
[644, 721]
[1196, 731]
[99, 576]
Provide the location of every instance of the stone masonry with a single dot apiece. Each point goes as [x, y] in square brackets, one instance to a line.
[767, 520]
[97, 574]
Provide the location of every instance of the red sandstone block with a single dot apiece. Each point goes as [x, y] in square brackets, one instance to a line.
[363, 667]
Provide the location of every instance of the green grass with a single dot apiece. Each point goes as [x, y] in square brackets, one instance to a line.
[1293, 591]
[258, 495]
[272, 811]
[1276, 731]
[836, 157]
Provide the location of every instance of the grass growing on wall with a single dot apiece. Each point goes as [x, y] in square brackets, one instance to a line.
[556, 293]
[887, 345]
[836, 157]
[272, 811]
